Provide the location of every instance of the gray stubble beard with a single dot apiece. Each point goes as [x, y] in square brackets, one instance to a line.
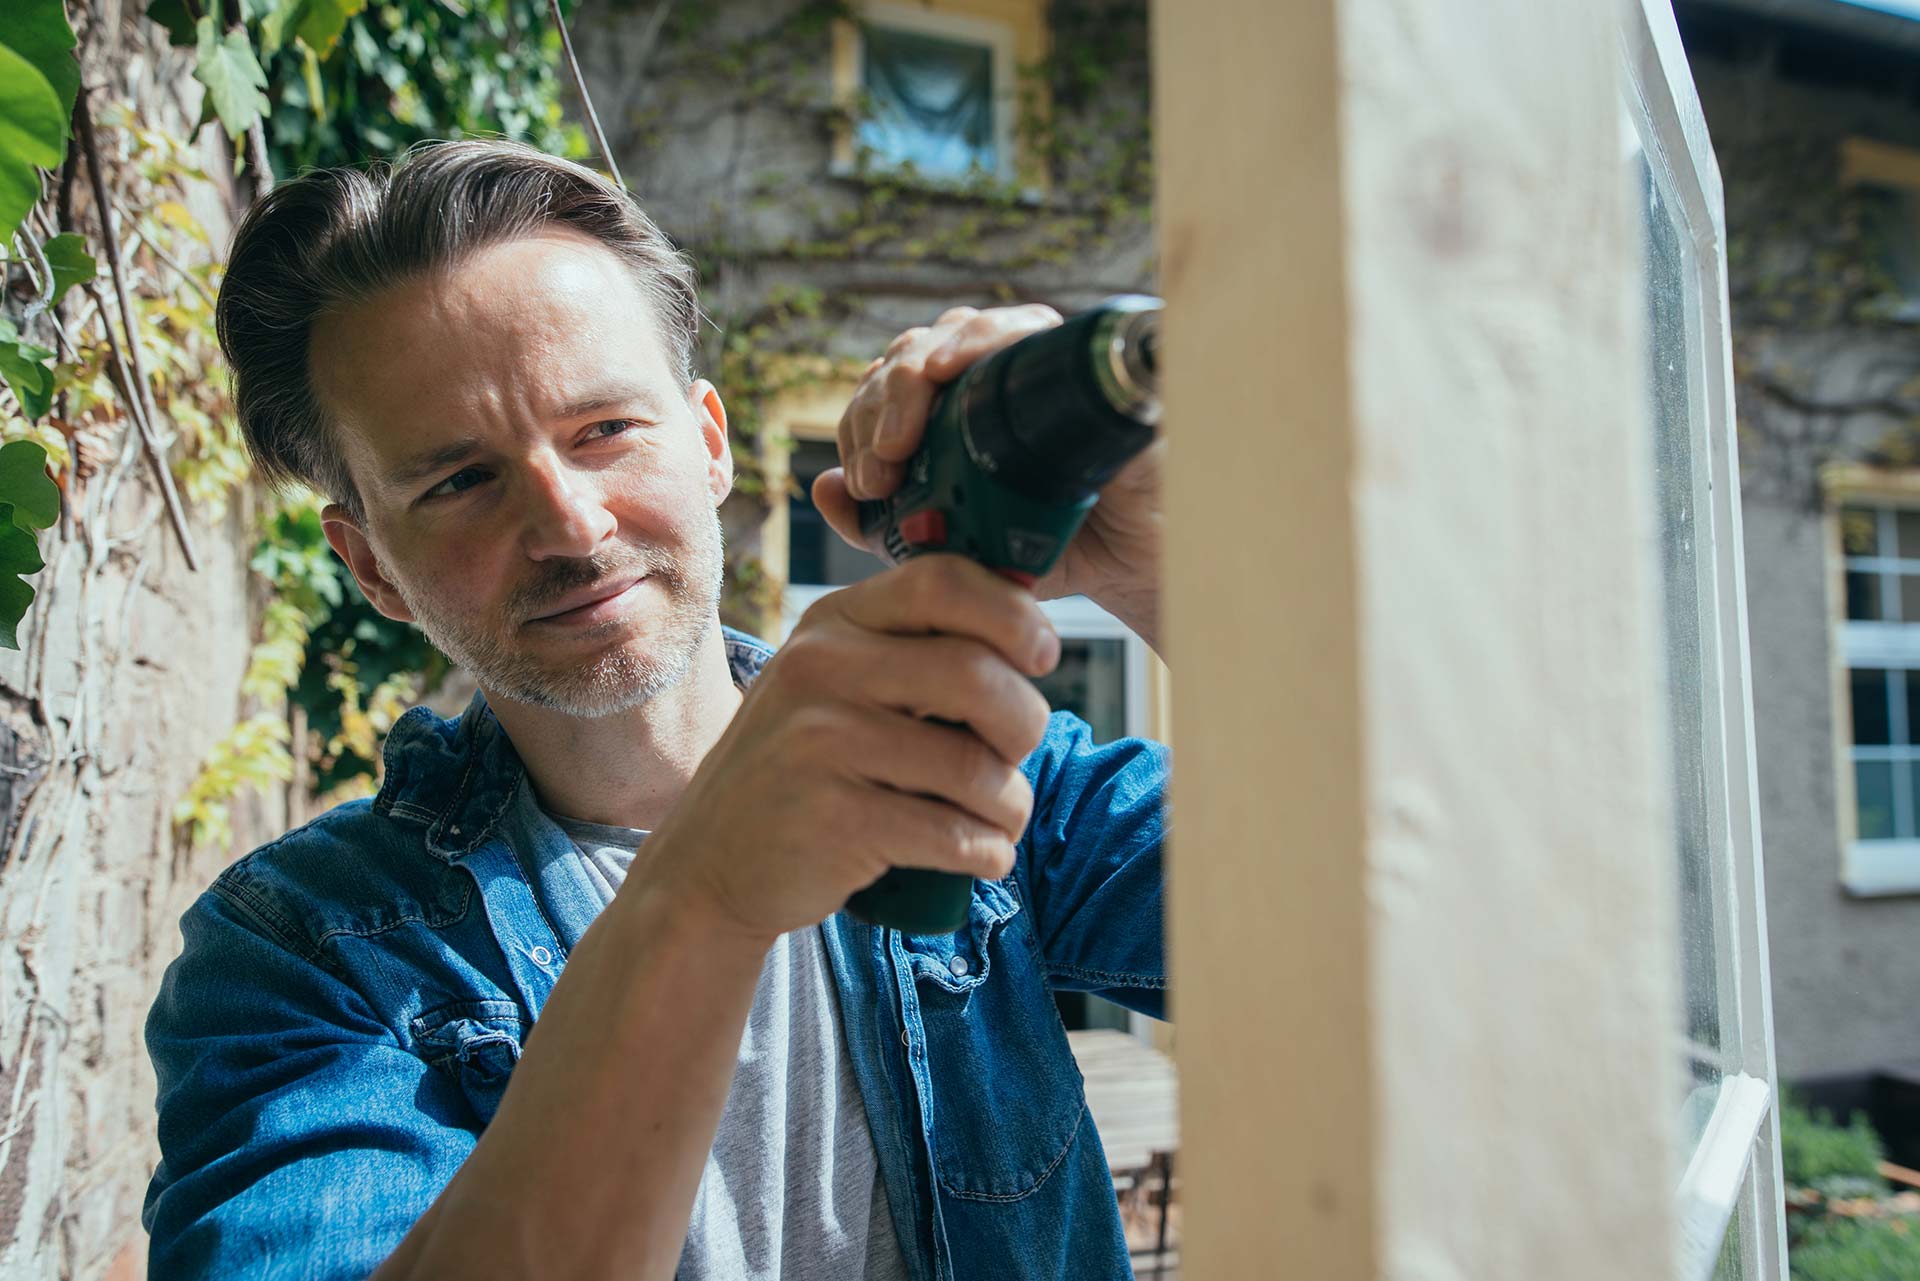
[616, 680]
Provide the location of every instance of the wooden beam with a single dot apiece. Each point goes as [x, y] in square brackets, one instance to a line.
[1424, 940]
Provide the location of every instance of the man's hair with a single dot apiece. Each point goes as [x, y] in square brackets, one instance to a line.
[335, 237]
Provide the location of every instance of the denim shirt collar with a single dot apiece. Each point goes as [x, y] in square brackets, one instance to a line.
[457, 778]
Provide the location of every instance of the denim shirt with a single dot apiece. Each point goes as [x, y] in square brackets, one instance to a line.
[352, 999]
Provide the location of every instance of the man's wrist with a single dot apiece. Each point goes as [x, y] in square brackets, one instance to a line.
[1139, 610]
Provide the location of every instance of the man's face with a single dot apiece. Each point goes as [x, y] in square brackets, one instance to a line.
[524, 445]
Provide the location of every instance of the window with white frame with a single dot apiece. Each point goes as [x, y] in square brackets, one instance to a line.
[1729, 1198]
[1879, 643]
[1101, 677]
[936, 93]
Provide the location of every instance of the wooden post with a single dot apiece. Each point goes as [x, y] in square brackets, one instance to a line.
[1424, 940]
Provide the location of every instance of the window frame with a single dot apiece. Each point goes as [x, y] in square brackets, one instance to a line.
[1735, 1166]
[1015, 31]
[1868, 868]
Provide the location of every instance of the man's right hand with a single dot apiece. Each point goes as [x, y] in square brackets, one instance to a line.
[832, 770]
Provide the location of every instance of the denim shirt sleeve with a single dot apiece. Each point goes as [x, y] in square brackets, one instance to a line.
[1091, 864]
[298, 1137]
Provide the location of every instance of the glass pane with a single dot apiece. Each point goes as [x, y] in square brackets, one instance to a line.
[1870, 721]
[1858, 531]
[1729, 1269]
[1091, 682]
[1909, 599]
[1908, 525]
[1863, 596]
[1703, 1091]
[1873, 795]
[815, 554]
[1691, 696]
[929, 102]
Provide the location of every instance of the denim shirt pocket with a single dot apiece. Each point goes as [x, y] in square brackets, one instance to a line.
[1006, 1094]
[476, 1043]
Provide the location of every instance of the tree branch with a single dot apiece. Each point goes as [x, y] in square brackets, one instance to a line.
[146, 414]
[586, 101]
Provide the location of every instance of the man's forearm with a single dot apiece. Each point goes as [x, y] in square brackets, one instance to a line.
[591, 1165]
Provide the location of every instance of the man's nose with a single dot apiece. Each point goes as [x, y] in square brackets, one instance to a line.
[567, 514]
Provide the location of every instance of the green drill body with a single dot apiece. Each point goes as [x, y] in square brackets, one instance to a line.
[1012, 461]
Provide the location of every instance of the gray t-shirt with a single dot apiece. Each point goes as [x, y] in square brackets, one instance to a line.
[792, 1188]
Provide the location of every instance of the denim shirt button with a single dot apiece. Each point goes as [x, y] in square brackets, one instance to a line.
[904, 1040]
[541, 956]
[958, 965]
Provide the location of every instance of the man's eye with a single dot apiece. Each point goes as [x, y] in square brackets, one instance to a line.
[621, 423]
[441, 490]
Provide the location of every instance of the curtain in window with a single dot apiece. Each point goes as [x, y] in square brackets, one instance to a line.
[930, 102]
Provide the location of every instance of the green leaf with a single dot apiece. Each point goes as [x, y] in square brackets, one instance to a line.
[15, 592]
[37, 30]
[19, 554]
[323, 21]
[26, 370]
[232, 76]
[33, 132]
[280, 21]
[72, 264]
[173, 15]
[26, 487]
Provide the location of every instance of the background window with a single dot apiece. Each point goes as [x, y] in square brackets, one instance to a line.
[1880, 547]
[933, 87]
[929, 102]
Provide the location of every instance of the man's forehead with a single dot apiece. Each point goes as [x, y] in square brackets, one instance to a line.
[549, 327]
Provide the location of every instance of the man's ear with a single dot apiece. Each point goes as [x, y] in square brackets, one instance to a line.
[704, 399]
[345, 536]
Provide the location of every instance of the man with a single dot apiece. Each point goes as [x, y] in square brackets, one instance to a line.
[474, 1026]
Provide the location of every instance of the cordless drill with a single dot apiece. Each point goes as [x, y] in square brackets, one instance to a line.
[1015, 452]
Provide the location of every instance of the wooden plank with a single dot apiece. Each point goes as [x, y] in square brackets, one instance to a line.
[1422, 919]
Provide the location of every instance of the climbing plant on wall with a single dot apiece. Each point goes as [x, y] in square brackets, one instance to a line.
[110, 337]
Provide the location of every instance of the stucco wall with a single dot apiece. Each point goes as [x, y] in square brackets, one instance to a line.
[1845, 970]
[129, 675]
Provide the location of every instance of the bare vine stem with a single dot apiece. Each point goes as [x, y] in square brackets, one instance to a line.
[140, 394]
[586, 100]
[168, 260]
[42, 269]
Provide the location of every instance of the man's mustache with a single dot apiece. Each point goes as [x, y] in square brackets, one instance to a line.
[560, 578]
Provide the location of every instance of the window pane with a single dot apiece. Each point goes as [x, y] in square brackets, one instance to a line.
[1908, 524]
[1858, 526]
[1870, 721]
[815, 554]
[1863, 597]
[1909, 599]
[1873, 794]
[1091, 682]
[1691, 694]
[929, 102]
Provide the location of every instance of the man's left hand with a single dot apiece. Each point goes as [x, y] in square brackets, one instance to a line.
[1114, 560]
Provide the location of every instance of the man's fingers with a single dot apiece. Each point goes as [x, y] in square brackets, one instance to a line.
[950, 594]
[924, 759]
[900, 424]
[960, 680]
[982, 334]
[917, 831]
[842, 513]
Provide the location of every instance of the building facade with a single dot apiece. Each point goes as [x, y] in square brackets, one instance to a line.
[1814, 110]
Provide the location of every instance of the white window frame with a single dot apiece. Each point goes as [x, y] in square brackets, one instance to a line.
[1735, 1165]
[997, 36]
[1870, 868]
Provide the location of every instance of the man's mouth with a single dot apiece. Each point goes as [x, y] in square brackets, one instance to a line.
[588, 601]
